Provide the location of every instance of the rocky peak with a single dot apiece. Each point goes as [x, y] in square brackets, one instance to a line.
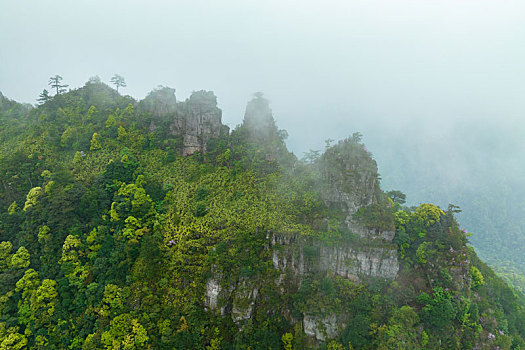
[195, 121]
[260, 133]
[160, 102]
[350, 184]
[258, 119]
[199, 120]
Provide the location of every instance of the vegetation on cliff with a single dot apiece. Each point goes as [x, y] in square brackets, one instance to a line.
[110, 238]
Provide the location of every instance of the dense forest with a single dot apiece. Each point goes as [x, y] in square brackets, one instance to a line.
[149, 224]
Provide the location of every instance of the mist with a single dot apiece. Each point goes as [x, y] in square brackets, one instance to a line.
[435, 87]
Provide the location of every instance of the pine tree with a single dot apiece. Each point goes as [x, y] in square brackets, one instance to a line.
[118, 81]
[44, 97]
[55, 83]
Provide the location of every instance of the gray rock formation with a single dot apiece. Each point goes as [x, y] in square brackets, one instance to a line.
[238, 299]
[198, 120]
[321, 328]
[213, 290]
[195, 121]
[350, 182]
[160, 102]
[289, 257]
[243, 302]
[344, 259]
[258, 119]
[352, 263]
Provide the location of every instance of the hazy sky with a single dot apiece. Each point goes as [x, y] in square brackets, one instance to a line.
[329, 68]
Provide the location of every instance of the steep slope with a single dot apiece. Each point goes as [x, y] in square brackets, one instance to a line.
[138, 225]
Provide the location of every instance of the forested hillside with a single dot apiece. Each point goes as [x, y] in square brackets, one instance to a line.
[149, 224]
[476, 165]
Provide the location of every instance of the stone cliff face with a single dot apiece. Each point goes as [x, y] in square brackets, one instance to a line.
[294, 257]
[259, 130]
[347, 260]
[198, 120]
[258, 120]
[349, 183]
[195, 121]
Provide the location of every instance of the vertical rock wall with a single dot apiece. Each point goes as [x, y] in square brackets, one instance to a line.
[198, 120]
[349, 182]
[195, 121]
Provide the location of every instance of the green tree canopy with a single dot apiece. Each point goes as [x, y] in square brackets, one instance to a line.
[118, 81]
[56, 83]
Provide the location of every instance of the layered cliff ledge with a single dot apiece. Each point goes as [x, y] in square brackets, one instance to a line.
[347, 183]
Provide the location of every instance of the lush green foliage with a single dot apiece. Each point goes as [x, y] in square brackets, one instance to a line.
[109, 238]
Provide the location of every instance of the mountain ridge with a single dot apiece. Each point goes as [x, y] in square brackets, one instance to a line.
[148, 224]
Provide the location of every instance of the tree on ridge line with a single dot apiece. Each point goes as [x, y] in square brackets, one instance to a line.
[118, 81]
[55, 83]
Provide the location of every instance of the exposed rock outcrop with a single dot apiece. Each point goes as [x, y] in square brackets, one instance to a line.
[258, 120]
[350, 182]
[195, 121]
[347, 260]
[238, 299]
[321, 328]
[259, 131]
[198, 120]
[295, 257]
[159, 103]
[213, 289]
